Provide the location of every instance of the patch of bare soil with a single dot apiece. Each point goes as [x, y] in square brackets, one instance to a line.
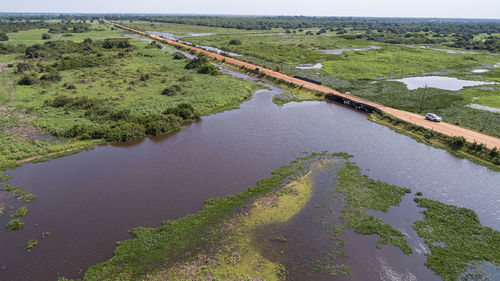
[4, 66]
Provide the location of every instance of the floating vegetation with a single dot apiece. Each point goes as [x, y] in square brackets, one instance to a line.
[30, 245]
[21, 212]
[15, 224]
[465, 239]
[26, 196]
[363, 193]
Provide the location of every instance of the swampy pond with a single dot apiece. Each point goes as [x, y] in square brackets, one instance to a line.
[440, 82]
[90, 200]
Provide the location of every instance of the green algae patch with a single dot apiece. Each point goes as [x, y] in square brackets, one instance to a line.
[456, 239]
[363, 193]
[214, 241]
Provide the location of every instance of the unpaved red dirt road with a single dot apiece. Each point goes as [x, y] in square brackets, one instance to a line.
[441, 127]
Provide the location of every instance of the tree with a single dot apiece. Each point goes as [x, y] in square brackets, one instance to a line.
[45, 36]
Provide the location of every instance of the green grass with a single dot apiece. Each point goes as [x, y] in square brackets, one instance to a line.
[363, 193]
[465, 239]
[208, 94]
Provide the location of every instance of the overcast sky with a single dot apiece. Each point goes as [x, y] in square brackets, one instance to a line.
[377, 8]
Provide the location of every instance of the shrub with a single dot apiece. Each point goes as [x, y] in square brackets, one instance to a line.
[234, 42]
[45, 36]
[124, 132]
[144, 77]
[171, 91]
[494, 152]
[116, 43]
[209, 69]
[28, 80]
[3, 36]
[179, 56]
[184, 110]
[160, 124]
[197, 63]
[456, 142]
[23, 66]
[52, 76]
[33, 52]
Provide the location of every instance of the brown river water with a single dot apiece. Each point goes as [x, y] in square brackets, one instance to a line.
[90, 200]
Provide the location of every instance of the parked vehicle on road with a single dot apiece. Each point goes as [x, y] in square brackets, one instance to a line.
[433, 117]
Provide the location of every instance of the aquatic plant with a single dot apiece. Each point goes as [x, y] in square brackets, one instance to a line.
[15, 224]
[30, 245]
[456, 238]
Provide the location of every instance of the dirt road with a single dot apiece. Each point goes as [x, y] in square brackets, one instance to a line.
[441, 127]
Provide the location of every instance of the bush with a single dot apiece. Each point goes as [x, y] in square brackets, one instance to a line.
[45, 36]
[28, 80]
[179, 56]
[184, 110]
[209, 69]
[160, 124]
[456, 142]
[116, 43]
[3, 36]
[33, 52]
[171, 91]
[234, 42]
[197, 63]
[23, 66]
[124, 132]
[52, 76]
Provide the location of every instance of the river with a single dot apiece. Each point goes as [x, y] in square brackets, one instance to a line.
[92, 199]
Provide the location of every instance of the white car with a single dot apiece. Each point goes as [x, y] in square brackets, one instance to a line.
[433, 117]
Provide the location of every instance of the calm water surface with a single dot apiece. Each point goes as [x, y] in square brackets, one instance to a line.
[440, 82]
[90, 200]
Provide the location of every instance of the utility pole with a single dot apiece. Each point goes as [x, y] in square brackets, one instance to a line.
[423, 97]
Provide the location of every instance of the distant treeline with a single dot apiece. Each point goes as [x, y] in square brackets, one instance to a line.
[457, 33]
[64, 26]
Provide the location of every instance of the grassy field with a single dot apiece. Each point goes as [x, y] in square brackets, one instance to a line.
[131, 80]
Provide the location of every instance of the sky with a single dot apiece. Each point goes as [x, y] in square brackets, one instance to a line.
[372, 8]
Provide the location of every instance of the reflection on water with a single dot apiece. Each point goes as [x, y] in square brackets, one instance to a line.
[484, 107]
[92, 199]
[440, 82]
[341, 50]
[178, 38]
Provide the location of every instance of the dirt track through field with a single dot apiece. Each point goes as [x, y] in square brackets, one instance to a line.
[441, 127]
